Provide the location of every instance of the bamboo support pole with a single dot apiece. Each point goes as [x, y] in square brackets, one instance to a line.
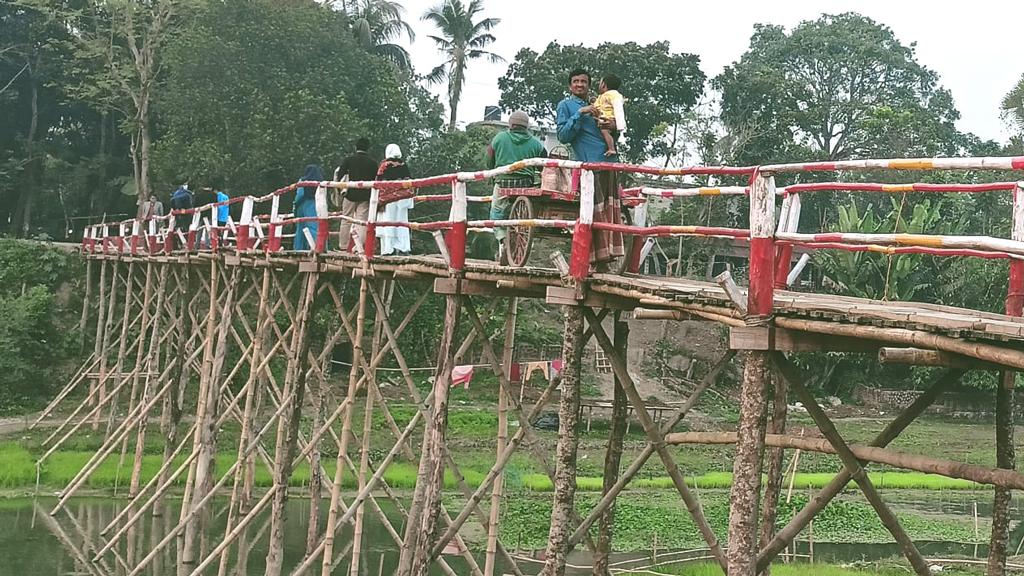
[508, 347]
[648, 451]
[364, 461]
[205, 434]
[919, 357]
[141, 349]
[613, 454]
[288, 428]
[924, 464]
[802, 519]
[82, 375]
[353, 382]
[126, 318]
[239, 496]
[1005, 460]
[655, 437]
[151, 361]
[106, 311]
[853, 465]
[83, 321]
[564, 500]
[773, 488]
[473, 499]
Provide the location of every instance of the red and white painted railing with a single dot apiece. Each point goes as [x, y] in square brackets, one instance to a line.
[771, 239]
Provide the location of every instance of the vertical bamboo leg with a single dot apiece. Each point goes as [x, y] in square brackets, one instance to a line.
[205, 431]
[126, 318]
[1005, 458]
[288, 427]
[316, 478]
[426, 505]
[239, 497]
[502, 439]
[775, 473]
[103, 329]
[563, 506]
[746, 484]
[346, 430]
[613, 456]
[177, 355]
[149, 366]
[84, 320]
[364, 461]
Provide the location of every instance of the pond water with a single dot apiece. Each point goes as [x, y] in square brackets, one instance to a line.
[32, 543]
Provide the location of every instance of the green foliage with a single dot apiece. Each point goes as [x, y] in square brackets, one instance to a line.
[461, 38]
[35, 325]
[838, 87]
[660, 86]
[281, 87]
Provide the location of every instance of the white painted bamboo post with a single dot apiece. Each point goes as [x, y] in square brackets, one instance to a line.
[242, 237]
[457, 235]
[274, 230]
[582, 237]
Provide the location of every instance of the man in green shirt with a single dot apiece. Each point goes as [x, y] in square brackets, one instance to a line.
[510, 146]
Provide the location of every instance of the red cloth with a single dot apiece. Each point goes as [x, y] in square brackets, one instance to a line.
[462, 375]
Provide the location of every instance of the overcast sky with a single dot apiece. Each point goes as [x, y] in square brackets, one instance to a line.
[975, 47]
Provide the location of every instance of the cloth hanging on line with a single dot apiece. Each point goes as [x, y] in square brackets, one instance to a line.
[462, 375]
[556, 367]
[532, 367]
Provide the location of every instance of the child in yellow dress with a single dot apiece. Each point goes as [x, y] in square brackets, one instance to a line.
[611, 116]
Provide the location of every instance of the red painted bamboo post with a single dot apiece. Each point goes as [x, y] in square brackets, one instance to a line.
[1005, 456]
[193, 227]
[637, 247]
[85, 239]
[746, 487]
[456, 239]
[104, 242]
[152, 245]
[784, 253]
[244, 225]
[274, 227]
[370, 238]
[122, 237]
[214, 230]
[169, 235]
[583, 234]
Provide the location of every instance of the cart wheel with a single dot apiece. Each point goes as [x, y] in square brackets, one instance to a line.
[519, 238]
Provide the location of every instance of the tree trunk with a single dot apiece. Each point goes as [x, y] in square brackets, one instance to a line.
[774, 486]
[613, 456]
[568, 442]
[746, 486]
[22, 223]
[1005, 458]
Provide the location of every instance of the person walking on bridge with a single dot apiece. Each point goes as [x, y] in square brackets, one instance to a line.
[507, 147]
[358, 167]
[305, 207]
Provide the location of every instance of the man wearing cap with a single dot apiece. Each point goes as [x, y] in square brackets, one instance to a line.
[510, 146]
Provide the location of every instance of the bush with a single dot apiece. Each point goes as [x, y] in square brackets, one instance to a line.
[36, 325]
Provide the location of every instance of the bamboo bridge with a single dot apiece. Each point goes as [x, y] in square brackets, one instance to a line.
[200, 327]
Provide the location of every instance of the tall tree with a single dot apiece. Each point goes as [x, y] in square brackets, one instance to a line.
[461, 40]
[123, 41]
[248, 104]
[660, 87]
[376, 25]
[1013, 105]
[838, 87]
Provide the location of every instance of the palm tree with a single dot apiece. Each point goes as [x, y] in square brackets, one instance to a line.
[1013, 105]
[460, 40]
[376, 24]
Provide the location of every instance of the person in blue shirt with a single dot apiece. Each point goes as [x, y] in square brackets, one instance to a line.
[305, 207]
[224, 211]
[576, 120]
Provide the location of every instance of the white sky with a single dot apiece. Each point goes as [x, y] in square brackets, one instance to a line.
[975, 47]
